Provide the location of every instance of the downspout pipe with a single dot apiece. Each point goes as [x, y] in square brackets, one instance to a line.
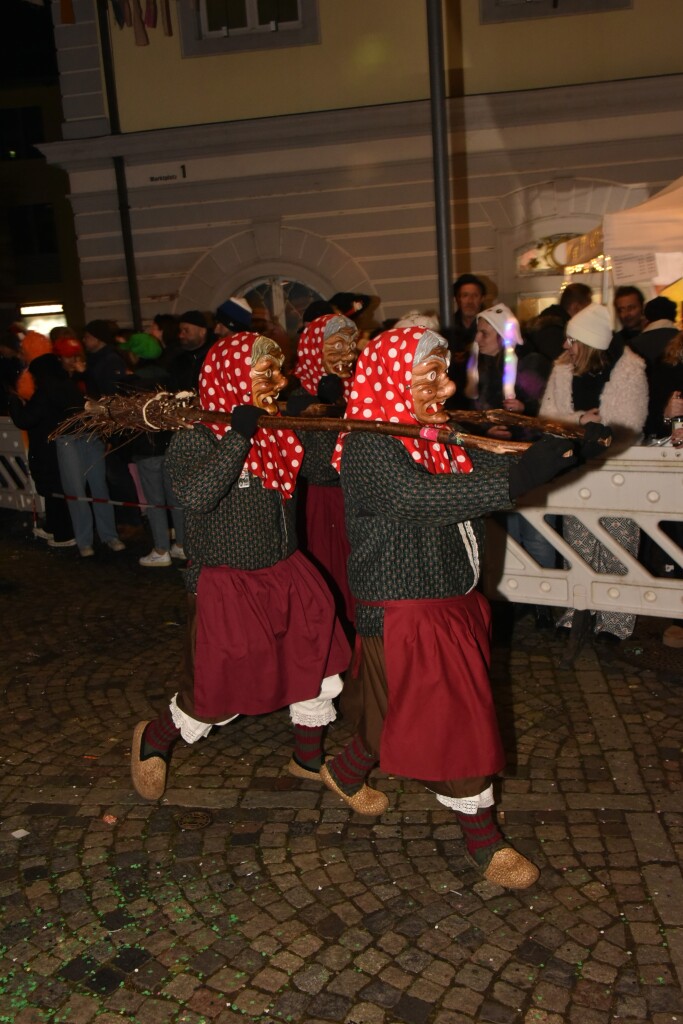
[442, 204]
[119, 165]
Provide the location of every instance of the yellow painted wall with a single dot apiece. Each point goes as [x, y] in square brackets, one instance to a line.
[367, 55]
[565, 50]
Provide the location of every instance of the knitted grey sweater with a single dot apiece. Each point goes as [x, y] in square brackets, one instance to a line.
[230, 517]
[402, 522]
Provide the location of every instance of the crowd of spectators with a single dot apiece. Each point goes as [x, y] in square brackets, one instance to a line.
[566, 363]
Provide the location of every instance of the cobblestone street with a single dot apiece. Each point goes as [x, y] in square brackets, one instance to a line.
[247, 895]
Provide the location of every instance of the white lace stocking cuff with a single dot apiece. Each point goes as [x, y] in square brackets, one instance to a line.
[190, 729]
[468, 804]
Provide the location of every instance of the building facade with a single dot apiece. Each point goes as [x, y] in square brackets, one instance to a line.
[305, 169]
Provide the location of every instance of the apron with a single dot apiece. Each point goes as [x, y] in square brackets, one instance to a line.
[440, 720]
[327, 543]
[265, 638]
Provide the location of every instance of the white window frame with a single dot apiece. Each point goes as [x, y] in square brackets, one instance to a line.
[197, 41]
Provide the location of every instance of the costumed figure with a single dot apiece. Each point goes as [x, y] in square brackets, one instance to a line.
[262, 630]
[414, 513]
[588, 385]
[326, 357]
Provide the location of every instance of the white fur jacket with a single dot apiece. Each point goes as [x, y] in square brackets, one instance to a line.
[623, 403]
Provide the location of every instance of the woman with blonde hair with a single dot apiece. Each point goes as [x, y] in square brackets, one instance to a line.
[587, 385]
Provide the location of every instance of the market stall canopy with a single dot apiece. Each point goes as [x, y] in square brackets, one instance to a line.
[644, 242]
[653, 226]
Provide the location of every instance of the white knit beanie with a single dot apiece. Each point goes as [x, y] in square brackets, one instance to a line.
[591, 325]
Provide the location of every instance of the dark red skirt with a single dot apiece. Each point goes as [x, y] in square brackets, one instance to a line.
[265, 638]
[440, 721]
[327, 543]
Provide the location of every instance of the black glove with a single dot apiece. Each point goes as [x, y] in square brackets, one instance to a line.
[593, 434]
[330, 389]
[245, 420]
[540, 463]
[298, 402]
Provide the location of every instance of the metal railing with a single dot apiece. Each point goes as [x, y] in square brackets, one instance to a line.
[16, 486]
[643, 484]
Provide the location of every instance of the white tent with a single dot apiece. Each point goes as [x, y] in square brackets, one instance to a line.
[653, 226]
[644, 242]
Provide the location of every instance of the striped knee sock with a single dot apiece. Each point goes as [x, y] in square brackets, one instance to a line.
[481, 833]
[350, 768]
[159, 736]
[308, 746]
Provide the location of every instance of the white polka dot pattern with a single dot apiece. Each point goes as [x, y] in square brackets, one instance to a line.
[224, 383]
[309, 364]
[381, 391]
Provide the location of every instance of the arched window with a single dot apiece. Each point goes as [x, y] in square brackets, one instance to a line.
[284, 299]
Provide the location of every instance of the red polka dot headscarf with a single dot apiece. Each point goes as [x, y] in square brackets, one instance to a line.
[309, 367]
[275, 455]
[381, 391]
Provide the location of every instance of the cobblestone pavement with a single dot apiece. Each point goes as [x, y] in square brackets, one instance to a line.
[248, 895]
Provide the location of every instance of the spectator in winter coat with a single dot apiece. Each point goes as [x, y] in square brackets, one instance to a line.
[545, 334]
[585, 387]
[55, 397]
[105, 369]
[148, 453]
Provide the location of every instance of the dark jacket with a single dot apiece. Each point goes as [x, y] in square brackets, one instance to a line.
[55, 399]
[150, 375]
[664, 379]
[186, 365]
[459, 340]
[650, 344]
[529, 387]
[545, 333]
[104, 372]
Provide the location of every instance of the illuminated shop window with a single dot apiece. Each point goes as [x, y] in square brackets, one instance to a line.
[546, 256]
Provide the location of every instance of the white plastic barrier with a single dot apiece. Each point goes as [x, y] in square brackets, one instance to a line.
[16, 486]
[643, 484]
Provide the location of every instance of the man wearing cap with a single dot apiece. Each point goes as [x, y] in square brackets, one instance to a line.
[104, 367]
[144, 352]
[232, 316]
[195, 341]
